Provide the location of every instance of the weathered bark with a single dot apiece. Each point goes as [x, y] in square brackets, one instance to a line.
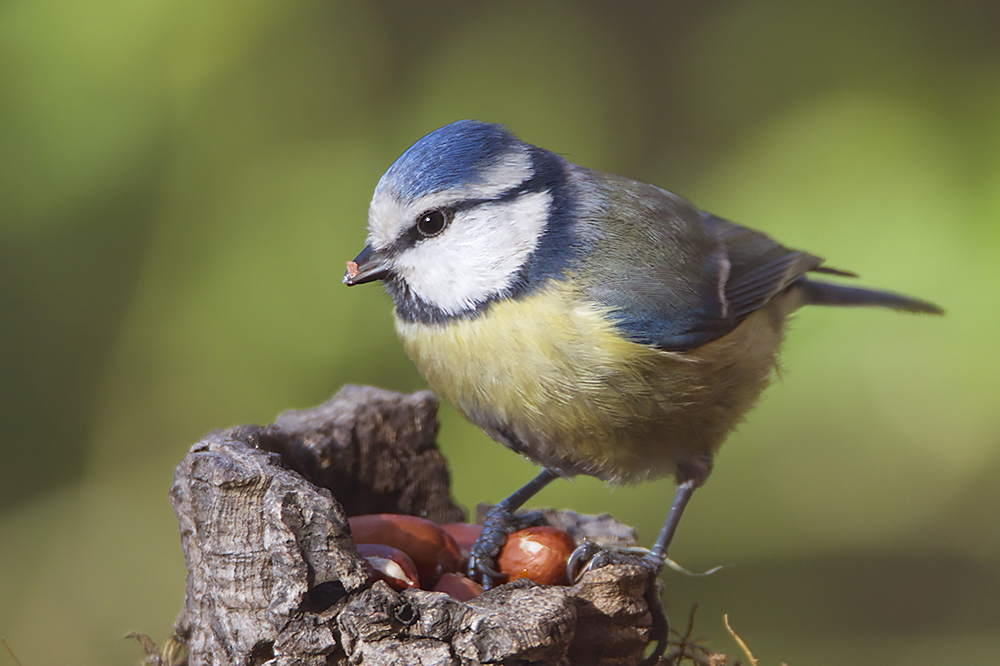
[375, 450]
[274, 576]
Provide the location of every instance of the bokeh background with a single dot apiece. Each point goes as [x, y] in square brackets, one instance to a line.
[182, 181]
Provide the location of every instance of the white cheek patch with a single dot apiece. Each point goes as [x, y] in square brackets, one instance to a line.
[478, 255]
[388, 216]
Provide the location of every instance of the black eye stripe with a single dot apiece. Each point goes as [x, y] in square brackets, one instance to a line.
[547, 174]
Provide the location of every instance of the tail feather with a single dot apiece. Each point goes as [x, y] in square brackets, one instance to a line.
[830, 270]
[826, 293]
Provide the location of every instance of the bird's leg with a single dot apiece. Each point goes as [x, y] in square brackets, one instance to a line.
[681, 498]
[660, 629]
[590, 555]
[596, 556]
[499, 524]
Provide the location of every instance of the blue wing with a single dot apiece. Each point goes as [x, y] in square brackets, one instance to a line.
[675, 277]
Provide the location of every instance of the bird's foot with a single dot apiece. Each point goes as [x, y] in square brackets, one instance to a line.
[500, 523]
[589, 556]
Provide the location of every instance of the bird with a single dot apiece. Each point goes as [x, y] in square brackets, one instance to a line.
[591, 323]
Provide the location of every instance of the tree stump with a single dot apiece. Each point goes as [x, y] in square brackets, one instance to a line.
[274, 576]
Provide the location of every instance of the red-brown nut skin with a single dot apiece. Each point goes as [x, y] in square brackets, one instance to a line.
[537, 553]
[464, 534]
[432, 550]
[377, 556]
[458, 587]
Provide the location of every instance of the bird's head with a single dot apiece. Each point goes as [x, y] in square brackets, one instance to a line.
[456, 220]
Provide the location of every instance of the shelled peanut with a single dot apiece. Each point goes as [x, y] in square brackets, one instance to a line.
[537, 553]
[407, 551]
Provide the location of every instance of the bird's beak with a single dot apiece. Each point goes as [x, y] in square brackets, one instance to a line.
[366, 267]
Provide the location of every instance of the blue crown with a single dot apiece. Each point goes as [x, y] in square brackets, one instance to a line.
[447, 157]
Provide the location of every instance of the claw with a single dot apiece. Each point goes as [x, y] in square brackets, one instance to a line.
[585, 552]
[499, 524]
[659, 630]
[484, 573]
[594, 556]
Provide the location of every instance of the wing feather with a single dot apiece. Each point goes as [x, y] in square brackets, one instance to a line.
[675, 277]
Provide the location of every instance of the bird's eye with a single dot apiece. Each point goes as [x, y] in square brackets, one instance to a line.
[432, 223]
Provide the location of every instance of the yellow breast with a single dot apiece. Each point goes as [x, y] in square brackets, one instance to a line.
[550, 376]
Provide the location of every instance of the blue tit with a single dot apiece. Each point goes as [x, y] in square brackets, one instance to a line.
[591, 323]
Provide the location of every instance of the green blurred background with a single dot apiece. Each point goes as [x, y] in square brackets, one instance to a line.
[182, 181]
